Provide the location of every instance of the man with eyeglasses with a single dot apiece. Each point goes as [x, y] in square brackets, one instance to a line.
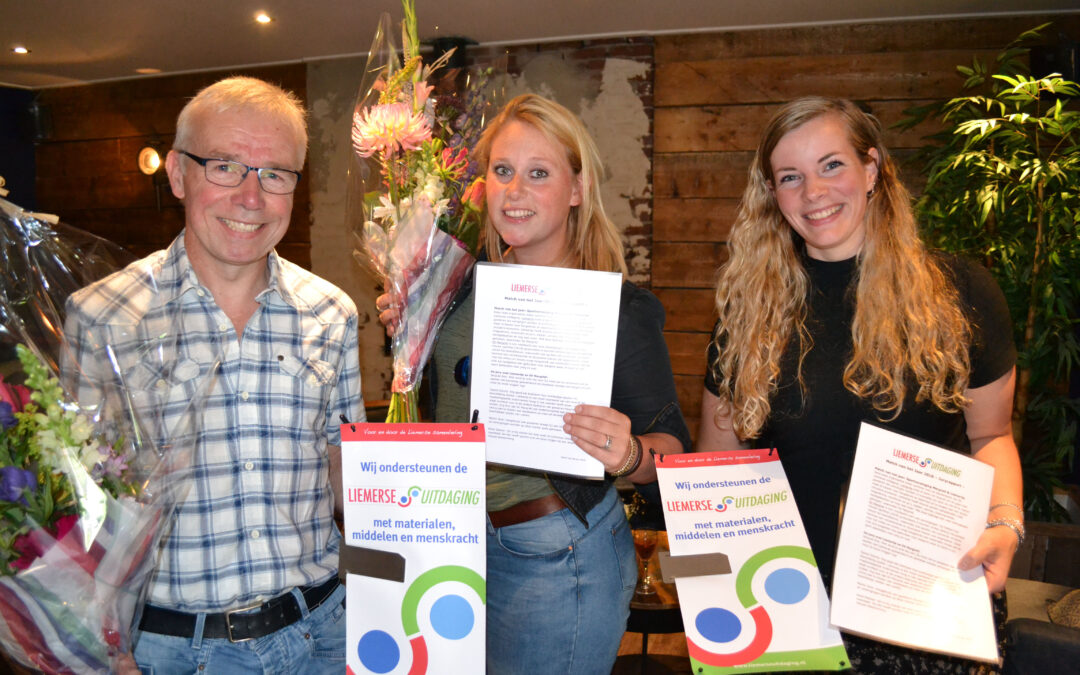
[247, 579]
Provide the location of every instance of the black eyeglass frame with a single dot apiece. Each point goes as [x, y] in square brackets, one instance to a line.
[202, 161]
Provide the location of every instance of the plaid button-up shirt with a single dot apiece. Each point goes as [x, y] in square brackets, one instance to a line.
[258, 517]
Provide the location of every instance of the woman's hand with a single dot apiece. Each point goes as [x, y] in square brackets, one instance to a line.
[388, 313]
[994, 551]
[603, 433]
[124, 664]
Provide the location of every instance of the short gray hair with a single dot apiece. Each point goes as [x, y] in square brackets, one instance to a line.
[240, 93]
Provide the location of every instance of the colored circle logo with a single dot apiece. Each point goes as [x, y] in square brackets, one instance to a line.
[378, 651]
[785, 585]
[410, 494]
[724, 504]
[718, 625]
[451, 616]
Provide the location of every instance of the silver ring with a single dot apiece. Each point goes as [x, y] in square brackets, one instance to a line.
[607, 443]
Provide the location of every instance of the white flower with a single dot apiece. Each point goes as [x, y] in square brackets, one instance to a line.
[81, 429]
[387, 212]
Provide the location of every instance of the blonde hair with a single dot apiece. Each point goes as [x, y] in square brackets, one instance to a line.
[908, 322]
[594, 241]
[246, 94]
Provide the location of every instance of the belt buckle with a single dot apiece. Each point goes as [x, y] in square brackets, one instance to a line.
[228, 620]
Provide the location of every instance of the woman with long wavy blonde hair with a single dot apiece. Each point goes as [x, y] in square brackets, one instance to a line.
[832, 311]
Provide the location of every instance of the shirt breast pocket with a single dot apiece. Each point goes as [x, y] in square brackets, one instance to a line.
[158, 388]
[309, 380]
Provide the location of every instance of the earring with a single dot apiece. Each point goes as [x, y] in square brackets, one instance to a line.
[870, 192]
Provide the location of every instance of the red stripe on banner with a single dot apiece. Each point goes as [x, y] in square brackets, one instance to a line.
[419, 656]
[762, 638]
[423, 433]
[725, 458]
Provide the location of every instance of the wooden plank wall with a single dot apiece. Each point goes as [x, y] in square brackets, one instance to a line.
[86, 163]
[713, 94]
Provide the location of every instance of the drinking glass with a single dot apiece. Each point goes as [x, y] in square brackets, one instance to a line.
[645, 544]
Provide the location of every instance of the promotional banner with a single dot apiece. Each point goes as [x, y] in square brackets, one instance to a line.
[415, 547]
[770, 612]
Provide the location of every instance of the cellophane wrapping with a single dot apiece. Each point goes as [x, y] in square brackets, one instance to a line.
[93, 455]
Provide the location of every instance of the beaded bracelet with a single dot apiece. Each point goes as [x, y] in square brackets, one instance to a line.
[1011, 523]
[633, 459]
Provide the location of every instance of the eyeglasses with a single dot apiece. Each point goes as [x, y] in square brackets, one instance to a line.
[227, 173]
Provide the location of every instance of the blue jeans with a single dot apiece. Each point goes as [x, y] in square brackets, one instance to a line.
[314, 644]
[558, 594]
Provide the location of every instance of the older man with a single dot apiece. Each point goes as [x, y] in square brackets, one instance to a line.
[247, 579]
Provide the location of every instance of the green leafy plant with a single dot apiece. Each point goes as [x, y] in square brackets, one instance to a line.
[1004, 186]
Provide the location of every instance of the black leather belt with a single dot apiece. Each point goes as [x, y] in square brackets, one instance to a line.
[237, 625]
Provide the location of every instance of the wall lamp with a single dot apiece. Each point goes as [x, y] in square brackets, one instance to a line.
[149, 160]
[149, 163]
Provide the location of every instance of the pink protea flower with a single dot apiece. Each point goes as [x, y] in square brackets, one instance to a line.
[388, 127]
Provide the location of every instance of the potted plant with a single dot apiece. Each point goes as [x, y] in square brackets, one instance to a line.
[1003, 184]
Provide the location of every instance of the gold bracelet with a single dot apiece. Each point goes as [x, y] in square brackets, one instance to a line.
[1010, 505]
[633, 459]
[640, 453]
[1011, 523]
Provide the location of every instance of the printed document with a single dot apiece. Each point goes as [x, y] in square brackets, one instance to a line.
[543, 342]
[912, 511]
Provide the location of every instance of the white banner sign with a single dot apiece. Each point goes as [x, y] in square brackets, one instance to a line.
[415, 531]
[771, 611]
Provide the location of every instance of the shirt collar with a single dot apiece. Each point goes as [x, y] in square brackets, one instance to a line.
[281, 282]
[177, 271]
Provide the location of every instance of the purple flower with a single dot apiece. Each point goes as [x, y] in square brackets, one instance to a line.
[7, 415]
[12, 482]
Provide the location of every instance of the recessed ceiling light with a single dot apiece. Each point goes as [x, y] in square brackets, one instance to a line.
[19, 49]
[148, 71]
[263, 18]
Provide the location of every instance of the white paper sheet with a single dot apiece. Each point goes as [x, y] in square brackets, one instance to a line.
[543, 342]
[912, 511]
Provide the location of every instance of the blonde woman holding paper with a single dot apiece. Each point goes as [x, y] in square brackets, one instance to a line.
[561, 567]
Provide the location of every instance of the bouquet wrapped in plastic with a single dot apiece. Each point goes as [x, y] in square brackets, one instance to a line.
[91, 465]
[422, 201]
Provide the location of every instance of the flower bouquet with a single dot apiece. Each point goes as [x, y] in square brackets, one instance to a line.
[87, 482]
[423, 205]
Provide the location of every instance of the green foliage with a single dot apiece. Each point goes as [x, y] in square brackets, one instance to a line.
[1004, 186]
